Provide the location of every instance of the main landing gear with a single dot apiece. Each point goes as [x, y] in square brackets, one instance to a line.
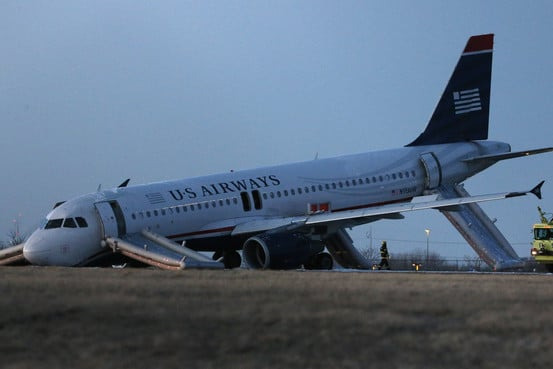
[322, 261]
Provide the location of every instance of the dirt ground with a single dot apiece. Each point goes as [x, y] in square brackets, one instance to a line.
[147, 318]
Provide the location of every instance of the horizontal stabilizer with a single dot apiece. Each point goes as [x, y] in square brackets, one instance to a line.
[493, 158]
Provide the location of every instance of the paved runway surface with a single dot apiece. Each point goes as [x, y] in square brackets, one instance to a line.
[146, 318]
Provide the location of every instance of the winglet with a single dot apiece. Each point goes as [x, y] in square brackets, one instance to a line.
[536, 191]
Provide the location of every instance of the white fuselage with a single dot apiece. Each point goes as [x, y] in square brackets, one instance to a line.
[210, 207]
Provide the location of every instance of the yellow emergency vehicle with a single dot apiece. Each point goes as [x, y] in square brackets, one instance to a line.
[542, 245]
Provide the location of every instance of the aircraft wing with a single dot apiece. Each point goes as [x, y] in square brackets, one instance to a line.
[366, 215]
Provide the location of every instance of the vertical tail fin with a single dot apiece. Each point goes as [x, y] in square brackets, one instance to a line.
[463, 110]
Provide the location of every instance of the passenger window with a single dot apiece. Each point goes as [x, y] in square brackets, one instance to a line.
[81, 222]
[69, 223]
[53, 223]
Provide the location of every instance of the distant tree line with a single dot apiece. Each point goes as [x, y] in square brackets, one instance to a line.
[14, 238]
[433, 261]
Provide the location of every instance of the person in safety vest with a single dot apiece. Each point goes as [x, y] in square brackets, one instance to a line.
[384, 256]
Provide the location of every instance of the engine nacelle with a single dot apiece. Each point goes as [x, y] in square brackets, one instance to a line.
[279, 250]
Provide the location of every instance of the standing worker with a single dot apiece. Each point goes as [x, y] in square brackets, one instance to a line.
[384, 256]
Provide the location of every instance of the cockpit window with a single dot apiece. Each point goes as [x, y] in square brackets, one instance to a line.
[69, 223]
[53, 223]
[81, 222]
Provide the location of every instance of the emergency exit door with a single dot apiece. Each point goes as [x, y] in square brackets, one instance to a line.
[111, 218]
[433, 170]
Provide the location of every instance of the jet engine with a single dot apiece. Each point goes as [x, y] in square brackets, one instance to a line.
[279, 250]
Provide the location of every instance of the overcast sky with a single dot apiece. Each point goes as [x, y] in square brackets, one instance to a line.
[94, 92]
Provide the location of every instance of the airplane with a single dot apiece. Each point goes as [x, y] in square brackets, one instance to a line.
[286, 216]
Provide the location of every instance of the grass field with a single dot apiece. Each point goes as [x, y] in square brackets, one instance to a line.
[146, 318]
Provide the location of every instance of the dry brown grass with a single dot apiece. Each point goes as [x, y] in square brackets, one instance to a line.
[145, 318]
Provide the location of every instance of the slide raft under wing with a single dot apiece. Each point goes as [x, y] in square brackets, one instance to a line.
[480, 232]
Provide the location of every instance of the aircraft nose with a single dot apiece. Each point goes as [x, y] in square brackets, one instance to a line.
[36, 251]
